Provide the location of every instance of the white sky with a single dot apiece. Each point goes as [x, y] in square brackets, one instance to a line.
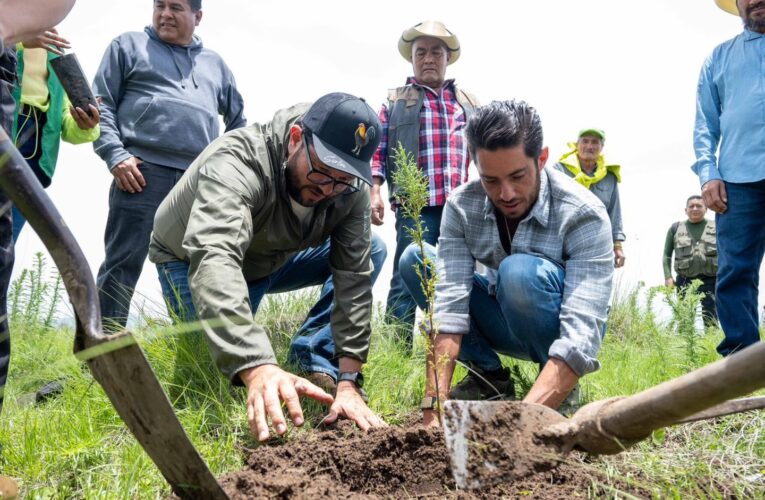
[627, 67]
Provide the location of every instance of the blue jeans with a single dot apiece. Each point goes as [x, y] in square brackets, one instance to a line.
[740, 247]
[313, 347]
[128, 229]
[522, 320]
[29, 124]
[401, 307]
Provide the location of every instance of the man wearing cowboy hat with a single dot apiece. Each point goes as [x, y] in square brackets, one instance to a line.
[729, 102]
[427, 116]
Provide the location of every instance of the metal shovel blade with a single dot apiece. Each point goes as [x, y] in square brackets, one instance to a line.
[117, 362]
[490, 442]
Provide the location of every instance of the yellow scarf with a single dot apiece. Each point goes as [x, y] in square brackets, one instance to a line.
[571, 161]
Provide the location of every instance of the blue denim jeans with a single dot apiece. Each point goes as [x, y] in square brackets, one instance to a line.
[401, 307]
[128, 229]
[313, 347]
[522, 320]
[740, 247]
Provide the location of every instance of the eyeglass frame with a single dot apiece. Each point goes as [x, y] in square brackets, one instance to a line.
[326, 178]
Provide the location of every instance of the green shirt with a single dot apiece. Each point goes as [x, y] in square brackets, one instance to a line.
[230, 217]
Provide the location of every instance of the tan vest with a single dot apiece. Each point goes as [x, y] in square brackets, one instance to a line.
[695, 258]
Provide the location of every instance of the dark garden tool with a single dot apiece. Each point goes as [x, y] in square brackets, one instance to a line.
[490, 442]
[74, 81]
[117, 362]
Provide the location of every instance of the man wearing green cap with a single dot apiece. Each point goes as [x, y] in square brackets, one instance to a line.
[427, 116]
[729, 141]
[586, 164]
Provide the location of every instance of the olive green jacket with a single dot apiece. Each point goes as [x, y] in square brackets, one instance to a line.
[230, 217]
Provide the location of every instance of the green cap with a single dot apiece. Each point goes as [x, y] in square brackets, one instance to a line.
[593, 131]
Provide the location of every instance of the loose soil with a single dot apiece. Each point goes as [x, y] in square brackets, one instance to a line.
[409, 461]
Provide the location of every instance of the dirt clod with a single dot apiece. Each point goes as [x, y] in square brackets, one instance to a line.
[344, 462]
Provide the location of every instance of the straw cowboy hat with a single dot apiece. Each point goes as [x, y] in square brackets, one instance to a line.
[728, 6]
[434, 29]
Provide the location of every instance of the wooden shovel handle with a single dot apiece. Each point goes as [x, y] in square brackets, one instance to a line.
[727, 408]
[636, 416]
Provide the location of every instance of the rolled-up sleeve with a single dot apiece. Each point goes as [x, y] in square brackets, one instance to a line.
[350, 261]
[706, 132]
[586, 289]
[218, 234]
[455, 280]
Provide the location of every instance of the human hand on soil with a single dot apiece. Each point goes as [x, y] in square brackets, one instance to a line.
[715, 196]
[349, 404]
[128, 177]
[84, 120]
[267, 387]
[430, 418]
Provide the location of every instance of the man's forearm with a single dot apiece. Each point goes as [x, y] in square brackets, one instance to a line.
[555, 382]
[443, 357]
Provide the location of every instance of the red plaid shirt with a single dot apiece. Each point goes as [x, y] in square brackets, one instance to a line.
[443, 154]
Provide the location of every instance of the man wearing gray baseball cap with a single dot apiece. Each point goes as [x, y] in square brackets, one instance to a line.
[271, 208]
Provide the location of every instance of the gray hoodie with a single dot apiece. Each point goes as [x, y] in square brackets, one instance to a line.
[160, 102]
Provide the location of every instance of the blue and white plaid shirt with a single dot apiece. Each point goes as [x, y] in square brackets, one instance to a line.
[567, 225]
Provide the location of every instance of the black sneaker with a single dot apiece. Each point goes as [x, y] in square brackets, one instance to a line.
[479, 385]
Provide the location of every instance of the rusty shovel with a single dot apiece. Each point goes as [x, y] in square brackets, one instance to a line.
[497, 441]
[116, 361]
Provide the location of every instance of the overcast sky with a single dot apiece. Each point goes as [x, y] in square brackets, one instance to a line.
[629, 68]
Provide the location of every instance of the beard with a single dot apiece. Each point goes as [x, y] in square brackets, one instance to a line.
[294, 188]
[752, 24]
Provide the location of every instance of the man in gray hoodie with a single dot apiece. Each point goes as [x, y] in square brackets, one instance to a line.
[161, 92]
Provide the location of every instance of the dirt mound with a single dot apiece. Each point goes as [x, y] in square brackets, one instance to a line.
[344, 462]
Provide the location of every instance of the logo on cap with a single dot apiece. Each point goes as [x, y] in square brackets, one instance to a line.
[362, 136]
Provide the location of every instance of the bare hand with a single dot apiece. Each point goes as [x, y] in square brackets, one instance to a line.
[49, 40]
[618, 257]
[715, 196]
[430, 418]
[378, 206]
[84, 120]
[349, 404]
[669, 282]
[267, 387]
[128, 177]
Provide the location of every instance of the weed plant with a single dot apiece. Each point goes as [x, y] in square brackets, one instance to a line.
[76, 446]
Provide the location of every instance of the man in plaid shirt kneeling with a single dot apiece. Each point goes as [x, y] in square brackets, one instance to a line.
[547, 248]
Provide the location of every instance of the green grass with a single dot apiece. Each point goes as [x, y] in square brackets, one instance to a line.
[75, 445]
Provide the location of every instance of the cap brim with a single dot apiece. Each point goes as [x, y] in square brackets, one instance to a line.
[333, 158]
[592, 131]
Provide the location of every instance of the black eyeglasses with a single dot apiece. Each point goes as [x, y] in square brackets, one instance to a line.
[323, 179]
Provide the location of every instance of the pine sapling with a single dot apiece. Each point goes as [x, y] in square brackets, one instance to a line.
[412, 197]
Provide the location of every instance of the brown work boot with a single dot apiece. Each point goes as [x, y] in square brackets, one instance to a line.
[323, 381]
[8, 488]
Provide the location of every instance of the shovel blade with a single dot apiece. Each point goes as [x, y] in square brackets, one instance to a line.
[491, 442]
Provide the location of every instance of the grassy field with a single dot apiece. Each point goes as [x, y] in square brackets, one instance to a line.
[75, 446]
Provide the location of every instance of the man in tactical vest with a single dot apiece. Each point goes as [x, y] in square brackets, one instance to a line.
[427, 116]
[694, 244]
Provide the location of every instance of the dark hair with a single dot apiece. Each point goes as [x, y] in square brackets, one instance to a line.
[693, 197]
[505, 124]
